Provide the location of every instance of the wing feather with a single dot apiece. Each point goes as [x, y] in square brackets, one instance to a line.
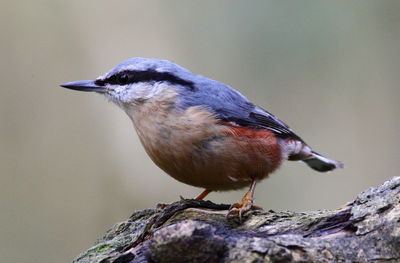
[259, 118]
[227, 104]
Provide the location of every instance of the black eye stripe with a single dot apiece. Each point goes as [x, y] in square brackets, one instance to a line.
[135, 76]
[123, 78]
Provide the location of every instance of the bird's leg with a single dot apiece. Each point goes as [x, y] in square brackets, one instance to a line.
[246, 204]
[203, 194]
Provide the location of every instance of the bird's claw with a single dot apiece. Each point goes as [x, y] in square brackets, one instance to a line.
[240, 208]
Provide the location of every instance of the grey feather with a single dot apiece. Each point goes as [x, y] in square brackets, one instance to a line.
[223, 101]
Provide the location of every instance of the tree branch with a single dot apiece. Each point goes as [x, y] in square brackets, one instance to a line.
[365, 230]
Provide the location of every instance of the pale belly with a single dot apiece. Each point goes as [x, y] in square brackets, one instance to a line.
[220, 161]
[197, 149]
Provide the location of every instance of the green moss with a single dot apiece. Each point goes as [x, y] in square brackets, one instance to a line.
[98, 249]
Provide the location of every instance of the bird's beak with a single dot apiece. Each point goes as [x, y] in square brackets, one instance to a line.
[84, 85]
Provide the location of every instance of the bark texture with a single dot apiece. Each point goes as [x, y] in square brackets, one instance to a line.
[365, 230]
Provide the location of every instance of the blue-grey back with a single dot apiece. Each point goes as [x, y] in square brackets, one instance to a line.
[223, 101]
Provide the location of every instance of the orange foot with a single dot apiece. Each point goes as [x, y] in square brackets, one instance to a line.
[245, 205]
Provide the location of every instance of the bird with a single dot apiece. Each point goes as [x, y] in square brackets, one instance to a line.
[200, 131]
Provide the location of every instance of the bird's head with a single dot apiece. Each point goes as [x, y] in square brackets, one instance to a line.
[136, 80]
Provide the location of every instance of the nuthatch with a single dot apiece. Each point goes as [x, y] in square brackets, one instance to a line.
[201, 131]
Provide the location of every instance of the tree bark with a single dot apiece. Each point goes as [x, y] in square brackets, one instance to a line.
[365, 230]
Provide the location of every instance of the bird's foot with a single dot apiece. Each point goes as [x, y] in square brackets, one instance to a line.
[241, 208]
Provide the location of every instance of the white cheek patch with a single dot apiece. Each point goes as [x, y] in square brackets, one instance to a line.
[133, 93]
[120, 95]
[125, 94]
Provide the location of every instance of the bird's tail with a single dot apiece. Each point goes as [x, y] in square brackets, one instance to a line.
[322, 164]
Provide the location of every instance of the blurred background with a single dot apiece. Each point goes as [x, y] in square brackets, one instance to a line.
[71, 163]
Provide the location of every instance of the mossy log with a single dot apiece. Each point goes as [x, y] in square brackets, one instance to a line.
[365, 230]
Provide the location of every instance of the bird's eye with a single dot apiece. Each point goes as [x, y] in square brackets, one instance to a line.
[123, 79]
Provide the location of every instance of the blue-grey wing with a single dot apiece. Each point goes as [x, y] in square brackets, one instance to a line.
[258, 118]
[229, 105]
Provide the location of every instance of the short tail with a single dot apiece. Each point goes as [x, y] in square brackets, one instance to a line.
[321, 163]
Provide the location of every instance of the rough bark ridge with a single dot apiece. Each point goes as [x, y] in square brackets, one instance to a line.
[365, 230]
